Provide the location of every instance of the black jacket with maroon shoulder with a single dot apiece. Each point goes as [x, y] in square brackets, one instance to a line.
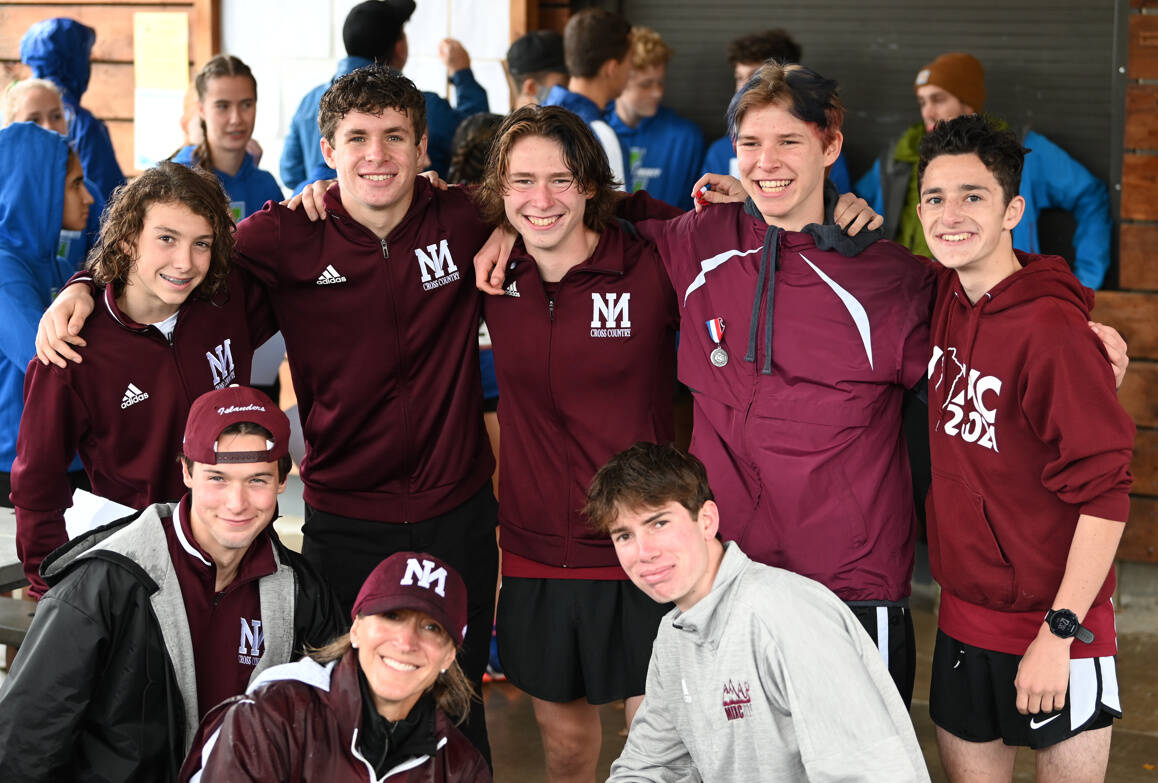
[104, 687]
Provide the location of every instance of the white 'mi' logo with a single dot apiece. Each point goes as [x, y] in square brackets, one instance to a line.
[426, 573]
[252, 638]
[610, 316]
[221, 364]
[436, 265]
[970, 399]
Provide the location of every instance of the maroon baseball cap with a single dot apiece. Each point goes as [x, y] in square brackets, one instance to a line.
[415, 580]
[214, 411]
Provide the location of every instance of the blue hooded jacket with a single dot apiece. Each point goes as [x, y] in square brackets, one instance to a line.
[663, 154]
[34, 162]
[59, 50]
[1050, 178]
[248, 189]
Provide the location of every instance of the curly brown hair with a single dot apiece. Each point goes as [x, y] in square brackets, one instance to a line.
[113, 258]
[582, 154]
[371, 89]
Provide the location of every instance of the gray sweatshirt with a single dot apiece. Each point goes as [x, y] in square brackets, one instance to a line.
[768, 678]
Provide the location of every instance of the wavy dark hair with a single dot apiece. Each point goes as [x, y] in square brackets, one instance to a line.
[124, 218]
[998, 148]
[647, 475]
[470, 148]
[371, 89]
[582, 154]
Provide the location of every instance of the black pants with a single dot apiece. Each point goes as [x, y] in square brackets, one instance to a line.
[345, 550]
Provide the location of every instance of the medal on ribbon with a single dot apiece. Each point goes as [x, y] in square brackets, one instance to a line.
[719, 356]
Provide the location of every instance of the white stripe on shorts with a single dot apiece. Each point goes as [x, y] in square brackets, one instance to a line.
[1083, 688]
[883, 633]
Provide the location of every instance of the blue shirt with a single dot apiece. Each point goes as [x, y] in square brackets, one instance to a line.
[663, 154]
[248, 189]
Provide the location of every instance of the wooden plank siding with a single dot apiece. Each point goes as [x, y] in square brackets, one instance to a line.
[1134, 309]
[110, 92]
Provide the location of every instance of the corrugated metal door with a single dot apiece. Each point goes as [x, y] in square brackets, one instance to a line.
[1051, 64]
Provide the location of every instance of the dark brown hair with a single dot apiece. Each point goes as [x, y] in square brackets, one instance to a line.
[112, 259]
[807, 95]
[218, 66]
[592, 37]
[453, 692]
[582, 154]
[998, 148]
[769, 45]
[647, 475]
[371, 89]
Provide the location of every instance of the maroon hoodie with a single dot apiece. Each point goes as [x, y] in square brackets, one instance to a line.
[1026, 434]
[800, 430]
[124, 408]
[584, 373]
[383, 349]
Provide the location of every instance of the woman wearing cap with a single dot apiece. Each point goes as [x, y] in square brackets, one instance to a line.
[379, 703]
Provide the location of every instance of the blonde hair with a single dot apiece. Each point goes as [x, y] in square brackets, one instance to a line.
[18, 88]
[648, 49]
[452, 690]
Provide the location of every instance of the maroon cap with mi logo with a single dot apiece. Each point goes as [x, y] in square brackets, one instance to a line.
[418, 581]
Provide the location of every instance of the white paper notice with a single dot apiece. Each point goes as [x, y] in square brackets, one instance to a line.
[90, 511]
[161, 72]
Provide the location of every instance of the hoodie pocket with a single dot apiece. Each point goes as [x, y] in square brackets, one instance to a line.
[964, 551]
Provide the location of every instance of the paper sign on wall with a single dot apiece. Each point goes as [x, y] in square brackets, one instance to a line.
[161, 75]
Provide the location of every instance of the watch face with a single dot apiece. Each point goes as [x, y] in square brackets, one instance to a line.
[1064, 624]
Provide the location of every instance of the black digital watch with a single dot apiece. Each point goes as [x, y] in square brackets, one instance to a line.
[1064, 623]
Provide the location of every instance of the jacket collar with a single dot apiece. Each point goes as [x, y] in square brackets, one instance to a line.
[708, 618]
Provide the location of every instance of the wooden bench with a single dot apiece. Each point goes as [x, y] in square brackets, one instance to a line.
[15, 618]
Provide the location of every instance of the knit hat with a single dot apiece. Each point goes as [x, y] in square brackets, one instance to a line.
[372, 28]
[958, 74]
[418, 581]
[213, 412]
[538, 50]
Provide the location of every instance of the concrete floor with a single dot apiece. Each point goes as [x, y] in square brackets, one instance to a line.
[518, 754]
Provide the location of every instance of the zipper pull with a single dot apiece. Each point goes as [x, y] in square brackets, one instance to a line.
[385, 249]
[551, 309]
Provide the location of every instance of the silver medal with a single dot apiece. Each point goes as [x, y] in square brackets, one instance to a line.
[719, 356]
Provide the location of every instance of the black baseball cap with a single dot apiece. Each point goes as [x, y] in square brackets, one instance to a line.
[538, 50]
[372, 28]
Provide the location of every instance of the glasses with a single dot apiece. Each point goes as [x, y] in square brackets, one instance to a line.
[525, 184]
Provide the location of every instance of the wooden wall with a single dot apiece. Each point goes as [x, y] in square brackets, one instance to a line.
[1134, 309]
[110, 91]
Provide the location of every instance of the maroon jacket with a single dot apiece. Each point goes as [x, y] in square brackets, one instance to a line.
[124, 408]
[383, 349]
[800, 431]
[1026, 435]
[300, 722]
[583, 376]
